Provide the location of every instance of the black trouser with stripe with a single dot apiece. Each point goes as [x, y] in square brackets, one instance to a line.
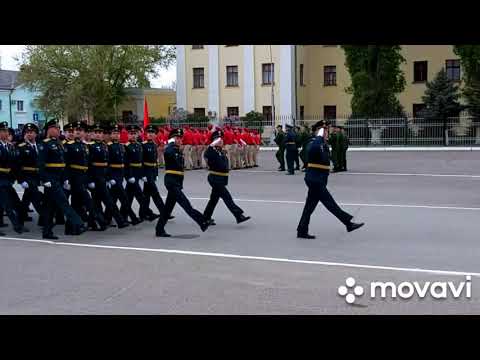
[317, 191]
[32, 195]
[150, 190]
[7, 205]
[57, 200]
[292, 154]
[118, 193]
[176, 195]
[135, 191]
[81, 199]
[101, 195]
[220, 191]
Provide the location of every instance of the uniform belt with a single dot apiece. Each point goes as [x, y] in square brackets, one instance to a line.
[104, 164]
[5, 170]
[218, 173]
[79, 167]
[117, 166]
[181, 173]
[150, 164]
[290, 143]
[318, 166]
[136, 165]
[55, 165]
[27, 168]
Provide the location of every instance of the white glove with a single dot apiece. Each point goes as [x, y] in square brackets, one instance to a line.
[67, 187]
[91, 186]
[66, 183]
[109, 185]
[48, 184]
[131, 180]
[144, 179]
[113, 182]
[24, 185]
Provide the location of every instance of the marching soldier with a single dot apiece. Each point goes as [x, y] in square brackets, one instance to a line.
[7, 164]
[28, 177]
[217, 163]
[174, 173]
[333, 141]
[298, 142]
[316, 178]
[134, 173]
[150, 169]
[77, 159]
[116, 175]
[280, 141]
[51, 164]
[291, 149]
[307, 140]
[98, 166]
[344, 142]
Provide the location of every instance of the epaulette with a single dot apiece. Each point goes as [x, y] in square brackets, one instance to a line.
[46, 140]
[22, 144]
[91, 143]
[145, 142]
[64, 142]
[109, 143]
[71, 142]
[125, 144]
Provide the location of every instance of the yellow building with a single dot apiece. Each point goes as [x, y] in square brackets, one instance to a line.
[304, 80]
[161, 102]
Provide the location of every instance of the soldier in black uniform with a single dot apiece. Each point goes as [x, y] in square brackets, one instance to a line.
[218, 167]
[150, 169]
[116, 175]
[7, 164]
[316, 178]
[291, 147]
[51, 167]
[77, 159]
[27, 176]
[97, 171]
[134, 173]
[174, 173]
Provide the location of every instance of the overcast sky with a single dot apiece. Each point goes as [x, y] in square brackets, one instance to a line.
[8, 52]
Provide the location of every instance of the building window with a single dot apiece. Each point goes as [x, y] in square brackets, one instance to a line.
[330, 75]
[301, 75]
[232, 111]
[418, 109]
[198, 78]
[232, 75]
[197, 46]
[453, 69]
[302, 112]
[199, 112]
[19, 105]
[267, 74]
[420, 69]
[267, 113]
[330, 112]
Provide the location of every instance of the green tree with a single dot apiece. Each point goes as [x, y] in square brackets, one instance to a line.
[470, 61]
[376, 79]
[89, 80]
[253, 120]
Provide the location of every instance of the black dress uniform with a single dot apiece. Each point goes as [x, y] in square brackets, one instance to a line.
[97, 171]
[291, 148]
[116, 175]
[174, 173]
[150, 172]
[218, 167]
[316, 178]
[51, 166]
[77, 159]
[134, 174]
[28, 178]
[7, 202]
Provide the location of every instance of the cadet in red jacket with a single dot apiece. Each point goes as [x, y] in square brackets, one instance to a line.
[187, 148]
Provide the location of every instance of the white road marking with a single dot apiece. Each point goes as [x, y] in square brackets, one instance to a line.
[354, 204]
[247, 257]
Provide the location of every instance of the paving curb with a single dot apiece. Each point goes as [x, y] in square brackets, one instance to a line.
[425, 148]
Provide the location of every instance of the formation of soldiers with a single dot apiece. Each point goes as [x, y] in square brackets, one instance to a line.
[85, 175]
[293, 143]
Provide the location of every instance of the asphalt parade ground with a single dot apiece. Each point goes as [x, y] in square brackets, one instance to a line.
[422, 215]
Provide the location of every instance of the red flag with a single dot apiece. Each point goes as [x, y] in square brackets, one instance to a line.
[145, 113]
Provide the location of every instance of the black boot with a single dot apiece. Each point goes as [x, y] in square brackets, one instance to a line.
[305, 236]
[162, 233]
[242, 218]
[49, 236]
[354, 226]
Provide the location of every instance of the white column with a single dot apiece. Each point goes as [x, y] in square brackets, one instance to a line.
[181, 81]
[287, 81]
[213, 91]
[248, 79]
